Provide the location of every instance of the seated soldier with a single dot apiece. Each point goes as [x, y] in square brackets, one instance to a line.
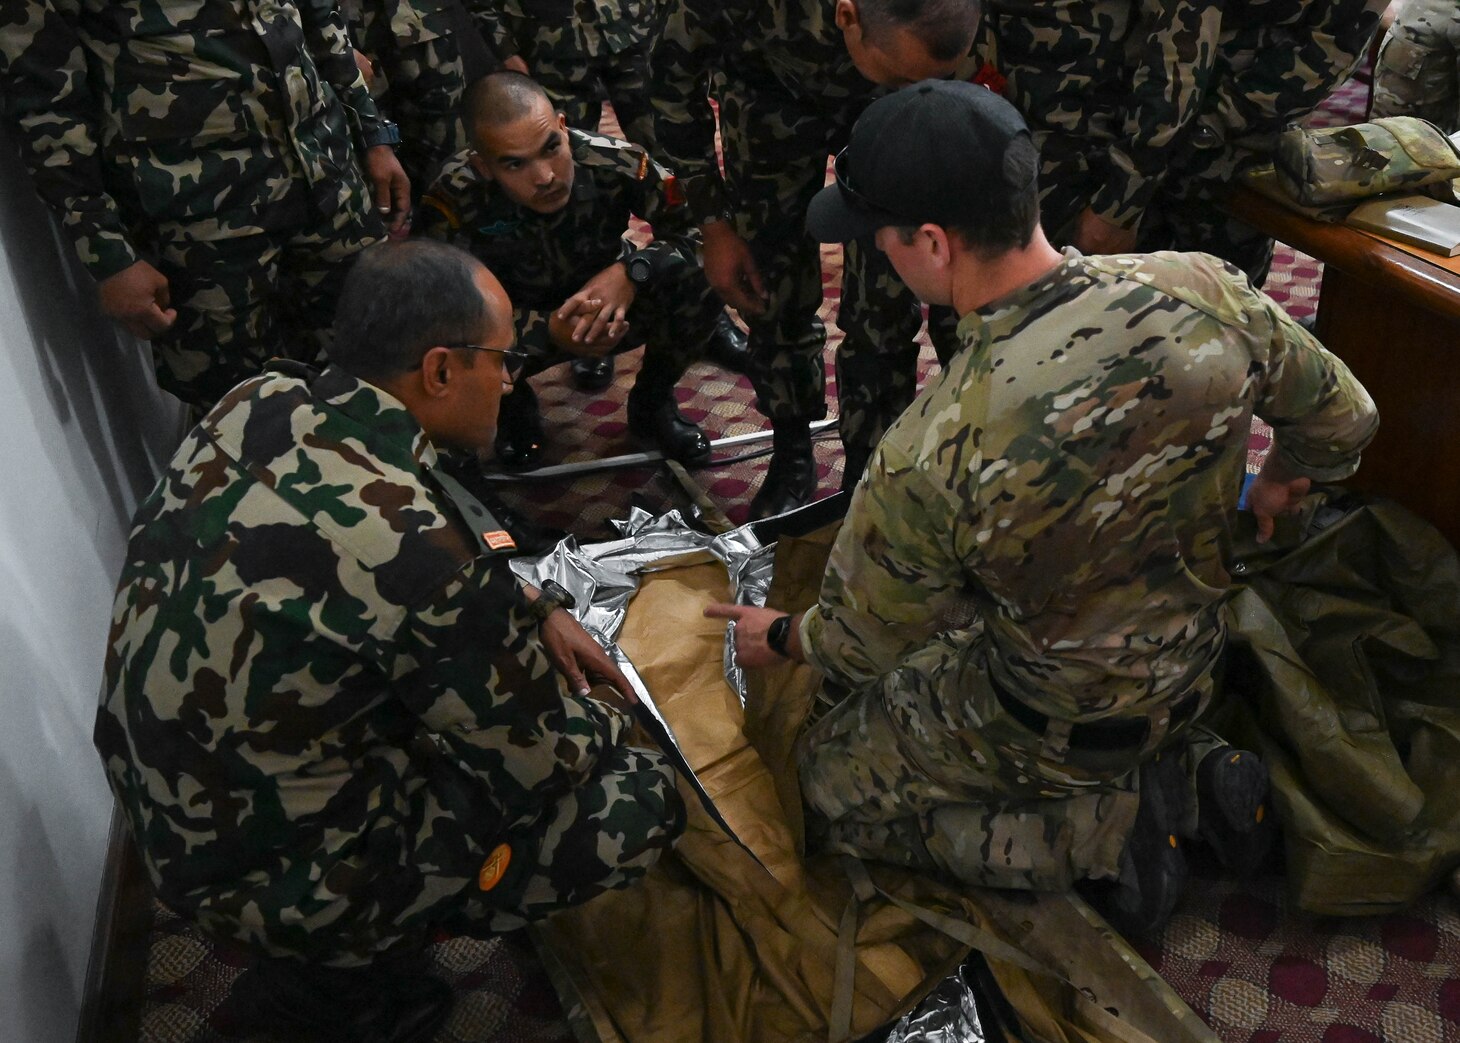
[1023, 613]
[334, 719]
[547, 207]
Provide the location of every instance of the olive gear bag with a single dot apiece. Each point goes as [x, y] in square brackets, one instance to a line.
[1344, 164]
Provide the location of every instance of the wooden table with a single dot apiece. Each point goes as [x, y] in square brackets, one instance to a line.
[1392, 313]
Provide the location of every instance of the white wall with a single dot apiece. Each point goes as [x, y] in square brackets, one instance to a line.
[83, 432]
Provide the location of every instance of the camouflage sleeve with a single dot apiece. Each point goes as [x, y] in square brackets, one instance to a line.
[1177, 50]
[895, 574]
[470, 665]
[532, 332]
[1322, 417]
[1417, 71]
[684, 122]
[655, 196]
[44, 94]
[1301, 52]
[334, 56]
[487, 14]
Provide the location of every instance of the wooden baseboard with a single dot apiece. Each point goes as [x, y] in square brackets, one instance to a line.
[116, 975]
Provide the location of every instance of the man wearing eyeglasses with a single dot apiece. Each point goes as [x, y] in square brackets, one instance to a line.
[335, 720]
[1023, 613]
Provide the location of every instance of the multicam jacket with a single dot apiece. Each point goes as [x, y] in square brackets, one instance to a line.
[142, 113]
[311, 660]
[1072, 474]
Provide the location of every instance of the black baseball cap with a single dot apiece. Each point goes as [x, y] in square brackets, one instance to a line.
[943, 152]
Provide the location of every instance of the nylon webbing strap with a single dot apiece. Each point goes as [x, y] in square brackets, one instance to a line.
[488, 532]
[839, 1025]
[969, 934]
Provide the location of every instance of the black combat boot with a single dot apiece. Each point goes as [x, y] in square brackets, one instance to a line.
[728, 347]
[1234, 815]
[654, 416]
[790, 481]
[395, 1000]
[520, 436]
[1153, 869]
[592, 374]
[854, 463]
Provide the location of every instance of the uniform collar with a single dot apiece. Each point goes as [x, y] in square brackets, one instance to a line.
[970, 325]
[387, 427]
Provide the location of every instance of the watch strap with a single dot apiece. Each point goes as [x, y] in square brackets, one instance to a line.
[778, 634]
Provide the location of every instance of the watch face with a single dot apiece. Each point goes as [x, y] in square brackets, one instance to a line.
[639, 270]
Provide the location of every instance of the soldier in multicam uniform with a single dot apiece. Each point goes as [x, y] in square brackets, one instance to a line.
[200, 155]
[1145, 112]
[1417, 72]
[790, 77]
[421, 58]
[548, 206]
[1025, 603]
[332, 716]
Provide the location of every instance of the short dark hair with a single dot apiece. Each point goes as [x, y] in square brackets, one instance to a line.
[1012, 226]
[946, 27]
[501, 97]
[402, 299]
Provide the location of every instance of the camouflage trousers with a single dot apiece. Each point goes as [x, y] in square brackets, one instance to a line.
[425, 85]
[775, 150]
[1189, 215]
[243, 299]
[1418, 69]
[926, 768]
[597, 837]
[579, 82]
[672, 318]
[1186, 213]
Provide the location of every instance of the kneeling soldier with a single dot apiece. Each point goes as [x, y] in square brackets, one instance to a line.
[333, 716]
[547, 208]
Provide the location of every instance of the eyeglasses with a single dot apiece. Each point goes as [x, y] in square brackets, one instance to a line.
[512, 360]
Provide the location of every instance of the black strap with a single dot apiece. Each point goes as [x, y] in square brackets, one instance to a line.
[1115, 734]
[488, 532]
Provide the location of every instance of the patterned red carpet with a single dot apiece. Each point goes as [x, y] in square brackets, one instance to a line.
[1256, 970]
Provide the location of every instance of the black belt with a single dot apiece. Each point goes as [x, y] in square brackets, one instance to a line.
[1115, 734]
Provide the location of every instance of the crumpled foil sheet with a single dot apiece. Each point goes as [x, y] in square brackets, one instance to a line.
[948, 1015]
[602, 577]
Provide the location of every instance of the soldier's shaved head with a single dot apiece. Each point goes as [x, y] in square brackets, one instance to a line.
[402, 299]
[946, 27]
[502, 97]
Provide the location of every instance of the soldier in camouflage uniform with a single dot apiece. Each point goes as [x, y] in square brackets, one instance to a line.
[200, 155]
[790, 77]
[332, 715]
[580, 50]
[1417, 72]
[418, 50]
[548, 206]
[1025, 603]
[1145, 111]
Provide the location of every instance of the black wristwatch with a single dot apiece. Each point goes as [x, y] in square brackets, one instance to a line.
[777, 634]
[553, 595]
[640, 268]
[384, 133]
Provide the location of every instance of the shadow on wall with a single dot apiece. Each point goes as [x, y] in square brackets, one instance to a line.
[96, 377]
